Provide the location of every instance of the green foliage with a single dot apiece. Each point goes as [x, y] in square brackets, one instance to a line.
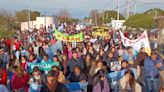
[140, 21]
[154, 12]
[23, 15]
[108, 15]
[6, 33]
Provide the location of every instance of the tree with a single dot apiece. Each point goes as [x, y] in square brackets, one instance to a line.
[6, 19]
[141, 21]
[64, 16]
[154, 12]
[107, 16]
[158, 15]
[95, 16]
[23, 15]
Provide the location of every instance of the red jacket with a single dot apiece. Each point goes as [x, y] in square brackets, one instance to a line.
[8, 42]
[17, 45]
[24, 65]
[4, 77]
[18, 83]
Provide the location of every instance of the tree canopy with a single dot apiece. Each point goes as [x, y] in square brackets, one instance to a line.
[141, 21]
[107, 16]
[154, 12]
[23, 15]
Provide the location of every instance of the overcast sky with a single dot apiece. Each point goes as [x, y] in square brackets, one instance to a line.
[77, 8]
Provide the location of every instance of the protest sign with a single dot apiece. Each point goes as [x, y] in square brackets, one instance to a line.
[53, 48]
[100, 32]
[43, 66]
[136, 44]
[115, 76]
[115, 65]
[76, 86]
[69, 38]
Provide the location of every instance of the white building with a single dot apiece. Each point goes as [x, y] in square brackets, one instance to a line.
[117, 24]
[38, 23]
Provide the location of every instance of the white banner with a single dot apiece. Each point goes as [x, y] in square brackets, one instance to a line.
[136, 44]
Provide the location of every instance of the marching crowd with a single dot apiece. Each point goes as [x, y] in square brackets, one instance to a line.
[87, 61]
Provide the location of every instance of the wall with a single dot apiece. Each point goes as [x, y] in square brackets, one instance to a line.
[39, 22]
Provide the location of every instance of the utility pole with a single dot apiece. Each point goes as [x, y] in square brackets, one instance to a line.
[96, 17]
[127, 9]
[28, 18]
[135, 7]
[103, 17]
[45, 18]
[118, 10]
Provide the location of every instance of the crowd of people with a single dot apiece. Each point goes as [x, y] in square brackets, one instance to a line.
[87, 61]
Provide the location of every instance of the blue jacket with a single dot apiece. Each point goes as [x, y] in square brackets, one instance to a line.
[150, 69]
[72, 63]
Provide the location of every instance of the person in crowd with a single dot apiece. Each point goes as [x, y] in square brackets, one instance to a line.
[96, 66]
[3, 76]
[96, 46]
[115, 53]
[130, 56]
[32, 58]
[70, 53]
[75, 61]
[23, 51]
[77, 75]
[20, 80]
[56, 59]
[128, 83]
[100, 82]
[4, 57]
[52, 84]
[12, 61]
[108, 59]
[24, 63]
[17, 44]
[8, 43]
[64, 64]
[41, 54]
[100, 66]
[30, 50]
[87, 63]
[65, 49]
[35, 81]
[152, 66]
[45, 59]
[3, 88]
[35, 47]
[11, 74]
[161, 89]
[142, 55]
[59, 55]
[120, 51]
[79, 54]
[101, 53]
[61, 76]
[124, 64]
[139, 64]
[90, 50]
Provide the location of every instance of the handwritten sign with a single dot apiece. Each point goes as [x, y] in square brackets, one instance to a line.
[136, 44]
[43, 66]
[115, 65]
[69, 38]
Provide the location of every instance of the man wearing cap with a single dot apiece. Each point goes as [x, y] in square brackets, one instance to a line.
[52, 84]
